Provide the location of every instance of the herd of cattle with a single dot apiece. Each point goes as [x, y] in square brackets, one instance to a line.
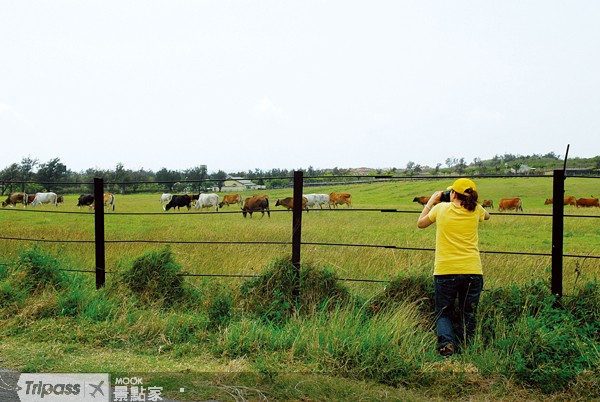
[507, 204]
[256, 203]
[53, 199]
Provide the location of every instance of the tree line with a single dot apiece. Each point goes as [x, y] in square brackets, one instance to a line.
[31, 175]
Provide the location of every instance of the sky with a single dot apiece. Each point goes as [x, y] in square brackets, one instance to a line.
[240, 85]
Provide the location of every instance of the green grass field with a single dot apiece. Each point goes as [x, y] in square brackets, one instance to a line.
[504, 232]
[373, 347]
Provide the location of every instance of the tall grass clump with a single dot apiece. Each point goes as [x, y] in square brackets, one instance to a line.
[417, 289]
[541, 341]
[271, 295]
[154, 278]
[36, 269]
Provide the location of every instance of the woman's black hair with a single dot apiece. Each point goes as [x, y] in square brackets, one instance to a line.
[469, 200]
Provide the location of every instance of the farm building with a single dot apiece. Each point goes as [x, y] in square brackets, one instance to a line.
[232, 183]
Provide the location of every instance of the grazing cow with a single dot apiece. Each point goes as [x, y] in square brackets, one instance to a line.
[179, 201]
[421, 200]
[207, 201]
[45, 198]
[256, 203]
[60, 199]
[336, 199]
[317, 200]
[488, 204]
[30, 198]
[166, 197]
[588, 202]
[570, 200]
[231, 199]
[289, 203]
[109, 201]
[85, 200]
[15, 198]
[506, 204]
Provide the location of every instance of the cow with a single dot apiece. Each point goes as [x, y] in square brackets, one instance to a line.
[336, 199]
[166, 197]
[317, 200]
[178, 201]
[421, 200]
[30, 198]
[15, 198]
[207, 201]
[488, 204]
[60, 199]
[587, 202]
[85, 200]
[506, 204]
[231, 199]
[288, 203]
[256, 203]
[570, 200]
[45, 198]
[109, 201]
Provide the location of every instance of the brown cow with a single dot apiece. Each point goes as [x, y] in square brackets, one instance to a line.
[15, 198]
[231, 199]
[506, 204]
[421, 200]
[60, 199]
[289, 203]
[336, 199]
[570, 200]
[256, 203]
[488, 204]
[588, 202]
[30, 198]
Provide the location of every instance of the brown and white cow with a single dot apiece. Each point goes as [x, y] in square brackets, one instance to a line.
[288, 203]
[506, 204]
[488, 204]
[336, 199]
[231, 199]
[15, 198]
[256, 203]
[421, 200]
[570, 200]
[587, 202]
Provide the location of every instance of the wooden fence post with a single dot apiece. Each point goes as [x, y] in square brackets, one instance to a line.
[99, 231]
[297, 228]
[558, 209]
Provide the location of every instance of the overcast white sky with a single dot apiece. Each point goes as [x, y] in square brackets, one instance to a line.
[239, 85]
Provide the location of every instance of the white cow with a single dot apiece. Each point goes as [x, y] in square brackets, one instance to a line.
[166, 197]
[45, 198]
[317, 200]
[207, 201]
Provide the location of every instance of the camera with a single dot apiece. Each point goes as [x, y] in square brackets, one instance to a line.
[445, 196]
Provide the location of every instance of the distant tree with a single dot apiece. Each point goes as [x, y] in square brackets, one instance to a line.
[50, 173]
[199, 174]
[27, 167]
[168, 178]
[219, 178]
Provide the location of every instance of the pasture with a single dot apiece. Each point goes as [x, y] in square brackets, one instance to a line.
[140, 217]
[376, 344]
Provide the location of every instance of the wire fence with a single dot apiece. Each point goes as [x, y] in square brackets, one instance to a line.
[100, 242]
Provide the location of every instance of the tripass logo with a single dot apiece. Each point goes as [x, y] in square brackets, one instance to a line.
[64, 387]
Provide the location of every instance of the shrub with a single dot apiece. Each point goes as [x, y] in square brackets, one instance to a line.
[36, 269]
[271, 296]
[154, 278]
[417, 290]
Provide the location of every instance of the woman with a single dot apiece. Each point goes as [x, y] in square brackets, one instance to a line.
[457, 271]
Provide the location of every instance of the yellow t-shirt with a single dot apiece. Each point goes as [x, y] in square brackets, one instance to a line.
[456, 239]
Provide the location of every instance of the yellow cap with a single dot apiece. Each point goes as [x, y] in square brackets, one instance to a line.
[461, 185]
